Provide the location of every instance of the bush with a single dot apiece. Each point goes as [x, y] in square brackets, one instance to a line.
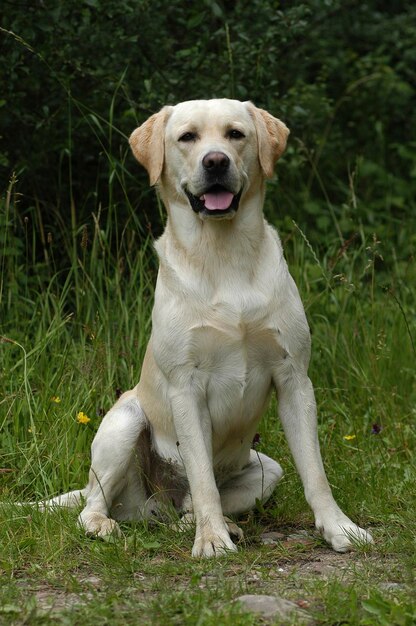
[79, 76]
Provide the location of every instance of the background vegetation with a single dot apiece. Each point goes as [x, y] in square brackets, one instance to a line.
[77, 270]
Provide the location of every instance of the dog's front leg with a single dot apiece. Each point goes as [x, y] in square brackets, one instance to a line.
[297, 411]
[194, 432]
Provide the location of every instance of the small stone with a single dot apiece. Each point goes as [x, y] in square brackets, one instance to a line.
[299, 541]
[390, 586]
[272, 537]
[303, 604]
[300, 534]
[270, 606]
[92, 580]
[301, 538]
[254, 577]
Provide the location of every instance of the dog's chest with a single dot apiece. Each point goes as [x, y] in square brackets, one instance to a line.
[232, 351]
[222, 341]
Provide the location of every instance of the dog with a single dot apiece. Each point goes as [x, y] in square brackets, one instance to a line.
[228, 328]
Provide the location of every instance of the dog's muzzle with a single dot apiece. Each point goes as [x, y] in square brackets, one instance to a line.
[216, 201]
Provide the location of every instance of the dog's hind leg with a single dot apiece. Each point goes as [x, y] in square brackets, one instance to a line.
[113, 481]
[254, 482]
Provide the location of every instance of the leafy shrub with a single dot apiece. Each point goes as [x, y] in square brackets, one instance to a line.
[79, 76]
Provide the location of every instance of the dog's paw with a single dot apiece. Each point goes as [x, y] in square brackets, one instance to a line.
[233, 529]
[98, 525]
[345, 535]
[188, 520]
[210, 543]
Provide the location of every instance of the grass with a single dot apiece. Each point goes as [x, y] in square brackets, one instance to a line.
[71, 340]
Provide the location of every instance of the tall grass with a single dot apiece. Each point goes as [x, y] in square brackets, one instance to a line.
[71, 339]
[73, 336]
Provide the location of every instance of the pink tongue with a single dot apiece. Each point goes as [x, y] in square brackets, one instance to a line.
[217, 201]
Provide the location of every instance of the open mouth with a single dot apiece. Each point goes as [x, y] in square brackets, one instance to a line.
[216, 201]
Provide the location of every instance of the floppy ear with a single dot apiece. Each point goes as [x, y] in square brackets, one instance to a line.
[148, 144]
[272, 136]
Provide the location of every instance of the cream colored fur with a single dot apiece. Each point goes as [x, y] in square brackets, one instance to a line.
[228, 329]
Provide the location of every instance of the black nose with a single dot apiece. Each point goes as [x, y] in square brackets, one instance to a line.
[216, 162]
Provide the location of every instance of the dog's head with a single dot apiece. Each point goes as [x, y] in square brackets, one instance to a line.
[209, 153]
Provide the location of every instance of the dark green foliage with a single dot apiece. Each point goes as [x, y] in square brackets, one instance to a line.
[78, 77]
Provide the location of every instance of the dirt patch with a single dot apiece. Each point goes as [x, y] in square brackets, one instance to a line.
[285, 567]
[322, 562]
[50, 601]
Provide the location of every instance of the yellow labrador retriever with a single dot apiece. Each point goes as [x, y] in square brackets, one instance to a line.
[228, 328]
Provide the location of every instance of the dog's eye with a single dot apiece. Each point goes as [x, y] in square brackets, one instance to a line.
[235, 134]
[187, 137]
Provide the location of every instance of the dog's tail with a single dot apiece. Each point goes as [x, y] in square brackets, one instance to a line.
[70, 500]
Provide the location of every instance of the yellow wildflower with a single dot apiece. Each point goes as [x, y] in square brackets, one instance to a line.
[349, 437]
[82, 418]
[56, 399]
